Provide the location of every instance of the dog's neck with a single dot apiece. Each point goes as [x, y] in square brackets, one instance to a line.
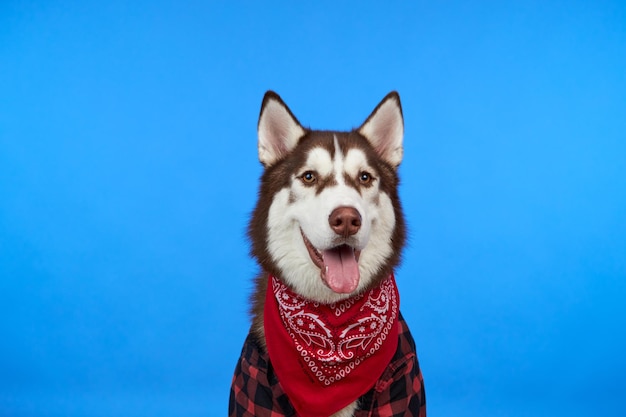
[316, 347]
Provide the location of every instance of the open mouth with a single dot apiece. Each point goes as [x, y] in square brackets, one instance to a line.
[339, 266]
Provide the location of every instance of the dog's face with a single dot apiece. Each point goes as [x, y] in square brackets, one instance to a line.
[328, 221]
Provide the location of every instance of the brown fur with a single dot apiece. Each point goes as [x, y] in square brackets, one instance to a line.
[280, 174]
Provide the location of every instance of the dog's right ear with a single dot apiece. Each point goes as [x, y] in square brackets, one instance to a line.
[278, 129]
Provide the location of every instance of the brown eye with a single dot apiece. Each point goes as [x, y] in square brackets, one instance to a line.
[365, 178]
[308, 177]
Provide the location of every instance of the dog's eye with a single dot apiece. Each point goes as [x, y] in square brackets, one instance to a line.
[308, 177]
[365, 178]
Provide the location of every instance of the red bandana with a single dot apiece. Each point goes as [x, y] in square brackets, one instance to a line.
[327, 355]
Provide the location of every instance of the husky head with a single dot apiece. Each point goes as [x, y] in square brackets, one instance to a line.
[328, 221]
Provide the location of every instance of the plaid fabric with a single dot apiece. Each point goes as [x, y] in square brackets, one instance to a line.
[256, 392]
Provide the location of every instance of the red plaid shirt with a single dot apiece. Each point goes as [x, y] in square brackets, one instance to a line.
[256, 392]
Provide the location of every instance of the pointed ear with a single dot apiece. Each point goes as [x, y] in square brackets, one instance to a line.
[384, 129]
[278, 129]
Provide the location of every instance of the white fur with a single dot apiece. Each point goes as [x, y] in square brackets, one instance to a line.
[319, 159]
[278, 132]
[299, 209]
[348, 411]
[355, 163]
[385, 130]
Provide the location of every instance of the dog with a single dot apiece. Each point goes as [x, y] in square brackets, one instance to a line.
[327, 337]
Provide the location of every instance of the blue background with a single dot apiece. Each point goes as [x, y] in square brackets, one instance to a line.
[128, 169]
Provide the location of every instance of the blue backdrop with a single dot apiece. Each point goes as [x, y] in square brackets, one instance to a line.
[128, 169]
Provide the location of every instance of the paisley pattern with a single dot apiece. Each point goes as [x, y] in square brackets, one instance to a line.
[333, 339]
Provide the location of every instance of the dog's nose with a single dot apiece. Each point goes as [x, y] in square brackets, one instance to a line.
[345, 221]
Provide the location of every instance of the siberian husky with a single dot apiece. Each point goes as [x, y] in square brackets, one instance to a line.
[327, 337]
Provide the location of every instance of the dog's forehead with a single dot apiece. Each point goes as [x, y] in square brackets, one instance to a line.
[325, 150]
[354, 161]
[320, 159]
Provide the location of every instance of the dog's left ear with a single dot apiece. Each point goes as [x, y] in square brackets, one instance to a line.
[384, 129]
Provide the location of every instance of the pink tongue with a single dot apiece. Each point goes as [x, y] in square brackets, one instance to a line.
[341, 271]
